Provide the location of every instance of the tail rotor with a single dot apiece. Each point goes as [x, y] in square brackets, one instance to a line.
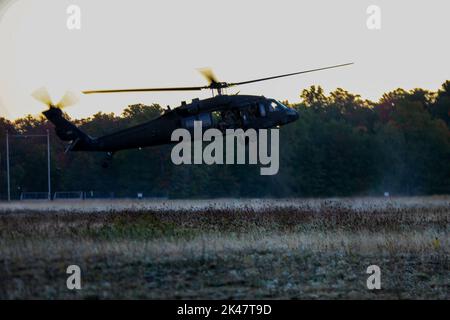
[42, 95]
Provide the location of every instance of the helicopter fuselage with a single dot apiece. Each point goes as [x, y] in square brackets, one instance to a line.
[221, 112]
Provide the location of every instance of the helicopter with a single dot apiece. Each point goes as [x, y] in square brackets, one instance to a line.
[221, 111]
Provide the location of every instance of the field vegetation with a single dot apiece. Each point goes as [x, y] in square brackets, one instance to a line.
[285, 249]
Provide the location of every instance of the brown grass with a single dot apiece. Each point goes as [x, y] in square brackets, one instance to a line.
[245, 249]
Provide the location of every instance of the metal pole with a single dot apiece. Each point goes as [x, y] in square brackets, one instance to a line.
[7, 165]
[49, 168]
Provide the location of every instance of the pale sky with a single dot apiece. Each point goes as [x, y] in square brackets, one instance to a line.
[134, 43]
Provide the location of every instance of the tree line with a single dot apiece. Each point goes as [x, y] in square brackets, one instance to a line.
[342, 145]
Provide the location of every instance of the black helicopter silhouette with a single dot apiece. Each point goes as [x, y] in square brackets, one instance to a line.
[221, 111]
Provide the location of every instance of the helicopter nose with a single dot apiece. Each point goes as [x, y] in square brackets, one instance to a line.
[292, 115]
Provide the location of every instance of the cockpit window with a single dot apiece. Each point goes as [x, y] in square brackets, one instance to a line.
[262, 110]
[205, 118]
[272, 106]
[276, 106]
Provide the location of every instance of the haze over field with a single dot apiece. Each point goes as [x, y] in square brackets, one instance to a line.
[159, 43]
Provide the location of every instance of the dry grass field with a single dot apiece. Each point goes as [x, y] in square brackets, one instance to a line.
[237, 249]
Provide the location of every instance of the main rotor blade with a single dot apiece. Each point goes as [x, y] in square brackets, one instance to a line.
[146, 90]
[288, 74]
[209, 75]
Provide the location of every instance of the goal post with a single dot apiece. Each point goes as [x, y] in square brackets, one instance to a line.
[65, 195]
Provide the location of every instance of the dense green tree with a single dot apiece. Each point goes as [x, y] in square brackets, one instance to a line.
[342, 145]
[441, 108]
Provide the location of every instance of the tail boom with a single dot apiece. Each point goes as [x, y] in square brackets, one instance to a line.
[67, 131]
